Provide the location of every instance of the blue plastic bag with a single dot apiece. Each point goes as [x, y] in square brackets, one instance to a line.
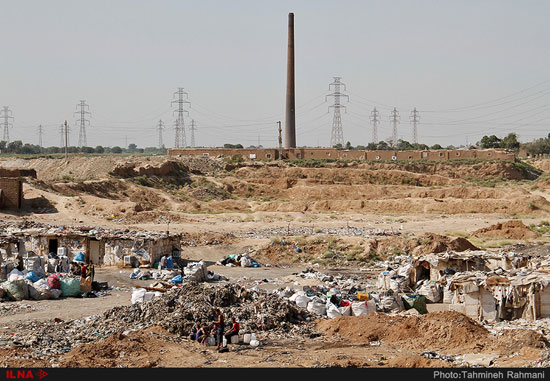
[79, 257]
[176, 279]
[33, 277]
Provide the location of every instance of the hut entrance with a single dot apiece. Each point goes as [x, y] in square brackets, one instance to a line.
[52, 246]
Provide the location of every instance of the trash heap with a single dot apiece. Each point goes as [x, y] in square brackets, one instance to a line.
[176, 311]
[242, 260]
[344, 297]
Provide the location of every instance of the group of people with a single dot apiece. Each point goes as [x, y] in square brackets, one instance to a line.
[84, 270]
[201, 331]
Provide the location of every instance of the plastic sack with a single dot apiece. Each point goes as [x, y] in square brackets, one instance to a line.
[79, 257]
[176, 279]
[55, 293]
[246, 262]
[332, 311]
[70, 287]
[317, 308]
[15, 275]
[39, 293]
[418, 302]
[390, 304]
[363, 308]
[138, 295]
[295, 295]
[16, 290]
[54, 282]
[431, 291]
[345, 311]
[32, 277]
[302, 301]
[41, 283]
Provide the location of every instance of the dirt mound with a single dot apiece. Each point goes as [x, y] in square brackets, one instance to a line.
[441, 330]
[509, 230]
[435, 243]
[331, 250]
[448, 330]
[167, 168]
[137, 349]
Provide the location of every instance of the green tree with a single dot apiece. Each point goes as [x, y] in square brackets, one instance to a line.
[99, 149]
[511, 141]
[116, 149]
[382, 145]
[348, 146]
[132, 147]
[490, 142]
[436, 146]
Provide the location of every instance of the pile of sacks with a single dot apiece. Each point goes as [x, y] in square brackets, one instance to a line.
[25, 284]
[333, 306]
[242, 260]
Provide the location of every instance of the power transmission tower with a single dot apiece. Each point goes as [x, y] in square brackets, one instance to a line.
[6, 114]
[82, 142]
[193, 128]
[394, 118]
[375, 118]
[337, 135]
[40, 136]
[180, 126]
[280, 141]
[160, 127]
[415, 118]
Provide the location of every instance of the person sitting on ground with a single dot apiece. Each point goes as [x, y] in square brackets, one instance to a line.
[196, 328]
[219, 326]
[202, 335]
[234, 330]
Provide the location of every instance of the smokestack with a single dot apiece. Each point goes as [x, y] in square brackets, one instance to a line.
[290, 126]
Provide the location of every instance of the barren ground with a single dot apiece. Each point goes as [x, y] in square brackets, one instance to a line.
[249, 206]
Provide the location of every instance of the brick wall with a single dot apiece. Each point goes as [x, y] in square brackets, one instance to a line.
[332, 153]
[12, 192]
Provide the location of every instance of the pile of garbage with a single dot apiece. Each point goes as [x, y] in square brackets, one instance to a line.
[175, 310]
[242, 260]
[341, 296]
[348, 231]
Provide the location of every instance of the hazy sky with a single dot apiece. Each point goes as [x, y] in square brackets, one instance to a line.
[470, 67]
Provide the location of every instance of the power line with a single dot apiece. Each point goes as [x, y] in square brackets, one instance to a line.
[160, 127]
[375, 115]
[394, 118]
[6, 114]
[414, 120]
[193, 128]
[40, 136]
[337, 135]
[181, 101]
[82, 142]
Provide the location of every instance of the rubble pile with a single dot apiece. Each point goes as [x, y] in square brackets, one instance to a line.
[175, 311]
[311, 231]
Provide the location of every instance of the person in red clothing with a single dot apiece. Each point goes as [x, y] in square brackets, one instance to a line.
[83, 270]
[234, 330]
